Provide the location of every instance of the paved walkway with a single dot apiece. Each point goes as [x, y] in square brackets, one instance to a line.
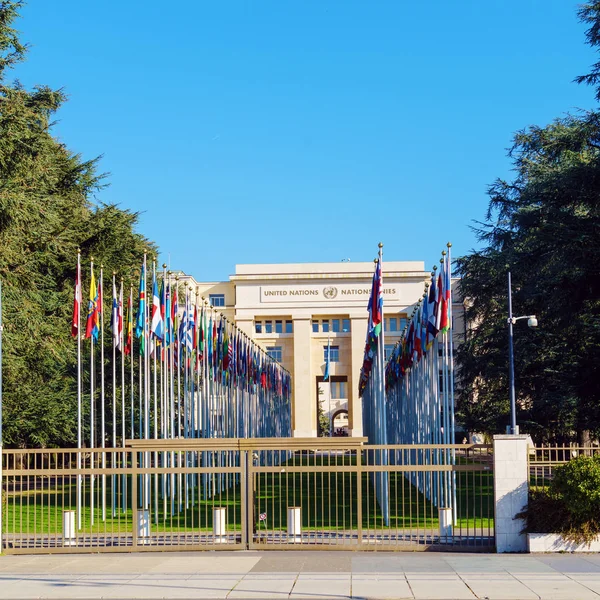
[302, 575]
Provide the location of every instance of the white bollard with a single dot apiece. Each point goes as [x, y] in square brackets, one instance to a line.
[143, 526]
[294, 523]
[219, 526]
[445, 517]
[68, 528]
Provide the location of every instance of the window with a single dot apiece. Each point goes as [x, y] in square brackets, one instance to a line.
[345, 325]
[403, 323]
[335, 325]
[289, 327]
[275, 353]
[391, 324]
[257, 327]
[339, 390]
[315, 326]
[268, 326]
[334, 354]
[278, 326]
[387, 351]
[216, 299]
[325, 326]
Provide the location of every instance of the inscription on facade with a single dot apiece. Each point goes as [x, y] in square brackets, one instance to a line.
[319, 292]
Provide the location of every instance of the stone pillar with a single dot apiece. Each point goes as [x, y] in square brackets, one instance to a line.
[304, 409]
[358, 328]
[511, 488]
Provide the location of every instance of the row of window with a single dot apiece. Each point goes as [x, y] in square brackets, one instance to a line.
[275, 353]
[334, 354]
[270, 326]
[392, 324]
[333, 325]
[216, 299]
[338, 390]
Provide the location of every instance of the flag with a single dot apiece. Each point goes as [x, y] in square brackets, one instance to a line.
[129, 330]
[114, 320]
[77, 301]
[201, 334]
[168, 320]
[376, 300]
[91, 328]
[140, 323]
[445, 296]
[189, 330]
[432, 301]
[120, 320]
[156, 328]
[326, 376]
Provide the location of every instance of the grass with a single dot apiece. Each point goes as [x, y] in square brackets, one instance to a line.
[329, 502]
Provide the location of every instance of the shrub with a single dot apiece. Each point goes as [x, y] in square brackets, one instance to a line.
[571, 504]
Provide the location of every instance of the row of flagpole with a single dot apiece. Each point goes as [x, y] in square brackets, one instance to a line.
[412, 402]
[420, 385]
[192, 372]
[372, 388]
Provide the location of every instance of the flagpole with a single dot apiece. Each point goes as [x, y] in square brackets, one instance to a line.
[155, 350]
[451, 344]
[115, 330]
[146, 385]
[79, 407]
[132, 377]
[92, 435]
[122, 341]
[102, 399]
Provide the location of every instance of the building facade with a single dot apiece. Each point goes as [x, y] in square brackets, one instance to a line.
[297, 311]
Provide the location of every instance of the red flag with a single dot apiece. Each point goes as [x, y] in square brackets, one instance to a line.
[77, 301]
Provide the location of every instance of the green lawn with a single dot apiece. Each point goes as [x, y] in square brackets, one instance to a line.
[329, 501]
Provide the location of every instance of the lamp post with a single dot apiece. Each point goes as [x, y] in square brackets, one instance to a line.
[531, 322]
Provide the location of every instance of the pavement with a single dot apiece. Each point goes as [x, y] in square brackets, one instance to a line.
[322, 575]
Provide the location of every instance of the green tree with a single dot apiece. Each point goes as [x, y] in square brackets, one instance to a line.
[46, 213]
[543, 226]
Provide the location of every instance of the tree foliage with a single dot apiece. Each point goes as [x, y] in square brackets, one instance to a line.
[46, 213]
[543, 226]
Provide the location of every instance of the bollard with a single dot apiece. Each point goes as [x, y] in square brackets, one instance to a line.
[219, 529]
[68, 528]
[143, 526]
[445, 515]
[294, 523]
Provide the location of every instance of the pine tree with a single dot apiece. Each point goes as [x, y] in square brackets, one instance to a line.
[46, 214]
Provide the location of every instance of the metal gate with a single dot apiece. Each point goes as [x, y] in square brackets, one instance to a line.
[309, 494]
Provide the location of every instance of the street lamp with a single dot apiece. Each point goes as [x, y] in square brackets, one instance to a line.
[531, 322]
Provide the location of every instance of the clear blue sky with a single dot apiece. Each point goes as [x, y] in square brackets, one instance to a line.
[304, 131]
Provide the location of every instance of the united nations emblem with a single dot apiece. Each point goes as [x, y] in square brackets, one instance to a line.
[330, 292]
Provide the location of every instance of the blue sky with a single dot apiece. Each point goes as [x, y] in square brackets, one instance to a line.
[304, 131]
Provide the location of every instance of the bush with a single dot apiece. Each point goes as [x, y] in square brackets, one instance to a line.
[571, 504]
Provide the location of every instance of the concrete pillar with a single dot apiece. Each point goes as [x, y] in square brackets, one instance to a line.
[511, 488]
[304, 408]
[359, 331]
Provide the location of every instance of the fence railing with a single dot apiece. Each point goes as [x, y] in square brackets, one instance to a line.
[262, 493]
[543, 460]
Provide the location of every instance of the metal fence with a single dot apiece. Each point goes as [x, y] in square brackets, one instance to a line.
[324, 493]
[543, 461]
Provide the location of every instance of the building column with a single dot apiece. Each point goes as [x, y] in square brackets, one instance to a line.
[511, 488]
[358, 327]
[304, 409]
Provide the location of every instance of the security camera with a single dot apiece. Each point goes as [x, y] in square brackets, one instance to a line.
[532, 321]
